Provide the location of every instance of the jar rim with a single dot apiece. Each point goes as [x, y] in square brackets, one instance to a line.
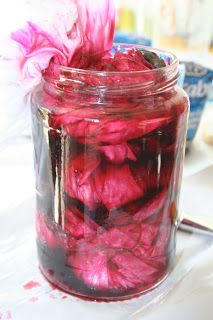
[94, 82]
[169, 54]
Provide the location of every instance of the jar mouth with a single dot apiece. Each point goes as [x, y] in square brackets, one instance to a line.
[58, 74]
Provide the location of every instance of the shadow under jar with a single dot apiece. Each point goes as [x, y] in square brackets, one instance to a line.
[109, 150]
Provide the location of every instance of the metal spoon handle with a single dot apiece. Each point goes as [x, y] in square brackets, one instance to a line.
[202, 225]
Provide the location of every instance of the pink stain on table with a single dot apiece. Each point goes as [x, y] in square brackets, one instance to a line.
[33, 299]
[31, 285]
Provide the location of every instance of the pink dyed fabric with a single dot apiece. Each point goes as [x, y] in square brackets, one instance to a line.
[88, 29]
[97, 24]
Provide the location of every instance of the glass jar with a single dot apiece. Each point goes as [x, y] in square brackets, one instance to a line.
[109, 149]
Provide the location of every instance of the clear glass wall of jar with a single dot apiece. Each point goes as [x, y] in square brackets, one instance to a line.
[109, 151]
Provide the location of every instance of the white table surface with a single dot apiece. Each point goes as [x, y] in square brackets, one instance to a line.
[192, 298]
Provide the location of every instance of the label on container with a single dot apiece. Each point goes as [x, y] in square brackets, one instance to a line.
[197, 84]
